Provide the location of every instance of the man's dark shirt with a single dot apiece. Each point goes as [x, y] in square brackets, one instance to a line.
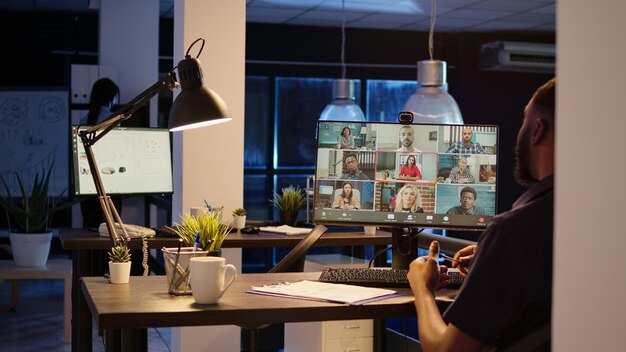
[508, 292]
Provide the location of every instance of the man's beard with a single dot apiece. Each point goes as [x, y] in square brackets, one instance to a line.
[522, 160]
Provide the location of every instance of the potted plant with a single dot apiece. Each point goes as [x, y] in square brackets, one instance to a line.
[288, 203]
[239, 218]
[119, 264]
[211, 231]
[30, 213]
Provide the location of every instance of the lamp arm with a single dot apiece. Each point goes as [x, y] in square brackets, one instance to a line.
[90, 136]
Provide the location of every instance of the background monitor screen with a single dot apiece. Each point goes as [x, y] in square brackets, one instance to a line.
[130, 161]
[419, 175]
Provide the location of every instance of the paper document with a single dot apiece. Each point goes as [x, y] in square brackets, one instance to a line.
[323, 291]
[286, 230]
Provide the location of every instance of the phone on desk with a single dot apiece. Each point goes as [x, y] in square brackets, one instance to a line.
[134, 231]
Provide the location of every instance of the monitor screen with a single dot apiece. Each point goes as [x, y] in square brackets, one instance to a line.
[419, 175]
[130, 161]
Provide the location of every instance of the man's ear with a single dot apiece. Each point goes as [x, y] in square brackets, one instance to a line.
[539, 132]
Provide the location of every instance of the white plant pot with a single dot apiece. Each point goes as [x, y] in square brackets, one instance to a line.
[239, 222]
[30, 249]
[119, 273]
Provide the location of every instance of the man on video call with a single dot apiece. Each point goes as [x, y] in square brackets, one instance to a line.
[507, 292]
[466, 146]
[467, 199]
[351, 166]
[407, 136]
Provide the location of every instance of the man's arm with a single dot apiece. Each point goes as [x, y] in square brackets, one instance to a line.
[434, 333]
[452, 148]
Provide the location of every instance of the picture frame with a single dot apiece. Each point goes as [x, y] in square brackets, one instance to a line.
[432, 135]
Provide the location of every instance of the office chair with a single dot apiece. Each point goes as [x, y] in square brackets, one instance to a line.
[291, 263]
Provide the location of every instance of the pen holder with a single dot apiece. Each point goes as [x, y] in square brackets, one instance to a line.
[177, 268]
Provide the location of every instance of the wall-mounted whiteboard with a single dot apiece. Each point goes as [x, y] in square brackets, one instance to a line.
[34, 133]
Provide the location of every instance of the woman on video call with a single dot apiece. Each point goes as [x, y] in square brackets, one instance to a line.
[409, 200]
[345, 139]
[410, 170]
[347, 199]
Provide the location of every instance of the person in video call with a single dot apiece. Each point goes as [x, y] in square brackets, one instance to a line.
[460, 173]
[507, 292]
[466, 146]
[409, 170]
[468, 199]
[345, 139]
[347, 199]
[407, 135]
[409, 200]
[351, 166]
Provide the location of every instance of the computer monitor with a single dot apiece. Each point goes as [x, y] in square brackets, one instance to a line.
[130, 161]
[406, 176]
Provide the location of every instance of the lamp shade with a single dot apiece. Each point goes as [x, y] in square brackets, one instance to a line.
[196, 105]
[431, 103]
[343, 107]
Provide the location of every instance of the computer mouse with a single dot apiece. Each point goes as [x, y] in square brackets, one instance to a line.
[250, 229]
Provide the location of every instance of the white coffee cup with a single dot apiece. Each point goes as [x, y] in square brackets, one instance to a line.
[210, 277]
[369, 230]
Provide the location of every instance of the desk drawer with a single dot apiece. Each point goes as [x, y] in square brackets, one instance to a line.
[360, 344]
[348, 329]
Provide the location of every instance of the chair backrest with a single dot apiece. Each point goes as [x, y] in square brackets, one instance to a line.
[294, 260]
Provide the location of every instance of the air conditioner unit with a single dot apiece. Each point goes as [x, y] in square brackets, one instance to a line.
[520, 57]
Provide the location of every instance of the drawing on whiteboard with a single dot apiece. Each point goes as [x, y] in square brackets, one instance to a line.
[34, 134]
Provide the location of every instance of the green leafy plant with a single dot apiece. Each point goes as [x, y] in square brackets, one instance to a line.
[31, 212]
[239, 212]
[212, 231]
[119, 254]
[289, 200]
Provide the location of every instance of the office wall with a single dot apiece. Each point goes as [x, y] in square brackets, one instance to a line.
[589, 286]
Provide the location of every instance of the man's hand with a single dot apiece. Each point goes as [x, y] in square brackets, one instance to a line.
[463, 259]
[425, 273]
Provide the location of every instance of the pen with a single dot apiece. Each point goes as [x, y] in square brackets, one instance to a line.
[196, 242]
[447, 257]
[207, 205]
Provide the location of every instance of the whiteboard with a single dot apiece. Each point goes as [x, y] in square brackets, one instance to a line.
[34, 134]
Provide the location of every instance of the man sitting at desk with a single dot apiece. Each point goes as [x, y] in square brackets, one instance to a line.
[507, 293]
[351, 165]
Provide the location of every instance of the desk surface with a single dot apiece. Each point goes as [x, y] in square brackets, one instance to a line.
[144, 302]
[81, 239]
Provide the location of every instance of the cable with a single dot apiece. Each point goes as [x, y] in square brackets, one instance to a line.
[384, 250]
[343, 40]
[431, 33]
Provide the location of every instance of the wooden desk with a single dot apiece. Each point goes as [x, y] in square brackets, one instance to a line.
[82, 243]
[125, 311]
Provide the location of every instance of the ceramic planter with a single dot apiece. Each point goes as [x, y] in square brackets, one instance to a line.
[30, 249]
[119, 273]
[239, 222]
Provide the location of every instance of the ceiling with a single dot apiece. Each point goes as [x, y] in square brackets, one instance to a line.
[413, 15]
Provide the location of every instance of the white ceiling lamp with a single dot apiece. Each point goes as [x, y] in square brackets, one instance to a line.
[343, 107]
[431, 103]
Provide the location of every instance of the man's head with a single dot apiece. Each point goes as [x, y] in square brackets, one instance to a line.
[467, 136]
[534, 150]
[468, 198]
[407, 135]
[351, 163]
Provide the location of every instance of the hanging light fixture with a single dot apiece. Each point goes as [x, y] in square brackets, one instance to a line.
[343, 107]
[431, 103]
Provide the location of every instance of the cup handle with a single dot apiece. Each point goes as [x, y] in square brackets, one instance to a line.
[231, 274]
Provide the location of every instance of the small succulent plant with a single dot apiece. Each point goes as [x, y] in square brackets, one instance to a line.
[119, 254]
[239, 212]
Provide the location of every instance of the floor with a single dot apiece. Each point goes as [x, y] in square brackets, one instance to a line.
[37, 323]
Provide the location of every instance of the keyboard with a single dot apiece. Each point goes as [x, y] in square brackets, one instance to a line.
[373, 277]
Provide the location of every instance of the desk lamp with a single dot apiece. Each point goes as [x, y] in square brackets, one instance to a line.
[195, 106]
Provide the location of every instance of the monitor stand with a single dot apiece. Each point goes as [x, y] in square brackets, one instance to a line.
[404, 249]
